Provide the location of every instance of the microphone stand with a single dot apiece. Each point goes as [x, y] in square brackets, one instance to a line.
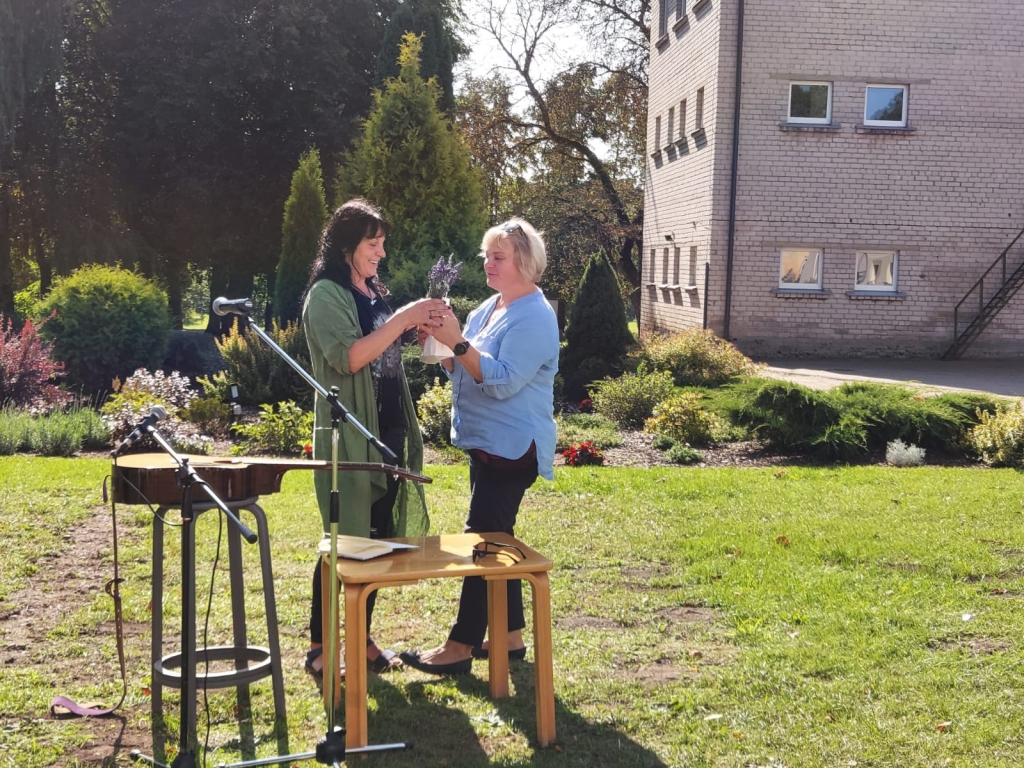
[331, 749]
[187, 478]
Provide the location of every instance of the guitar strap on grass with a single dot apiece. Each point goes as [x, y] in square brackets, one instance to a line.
[61, 706]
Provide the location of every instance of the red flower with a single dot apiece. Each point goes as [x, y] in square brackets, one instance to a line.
[583, 454]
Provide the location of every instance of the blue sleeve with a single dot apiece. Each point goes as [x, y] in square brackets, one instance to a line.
[524, 349]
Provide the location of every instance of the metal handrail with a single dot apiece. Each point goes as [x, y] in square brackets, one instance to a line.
[980, 285]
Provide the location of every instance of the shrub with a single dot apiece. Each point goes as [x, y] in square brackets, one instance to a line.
[894, 412]
[25, 300]
[434, 410]
[683, 419]
[856, 417]
[696, 357]
[597, 335]
[261, 374]
[89, 425]
[27, 371]
[999, 438]
[55, 435]
[283, 429]
[134, 399]
[15, 425]
[582, 455]
[107, 322]
[662, 442]
[630, 399]
[796, 417]
[417, 373]
[899, 454]
[586, 428]
[211, 416]
[681, 453]
[462, 306]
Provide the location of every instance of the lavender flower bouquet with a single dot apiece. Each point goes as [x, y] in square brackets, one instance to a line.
[441, 278]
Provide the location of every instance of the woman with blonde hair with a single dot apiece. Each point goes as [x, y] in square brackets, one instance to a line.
[502, 375]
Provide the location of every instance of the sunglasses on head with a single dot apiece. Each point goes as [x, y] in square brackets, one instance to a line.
[512, 228]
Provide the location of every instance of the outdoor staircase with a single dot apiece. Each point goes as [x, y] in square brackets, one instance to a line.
[968, 322]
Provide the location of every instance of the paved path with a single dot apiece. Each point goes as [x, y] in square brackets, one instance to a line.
[1000, 377]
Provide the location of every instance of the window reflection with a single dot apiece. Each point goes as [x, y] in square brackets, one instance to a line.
[876, 270]
[800, 269]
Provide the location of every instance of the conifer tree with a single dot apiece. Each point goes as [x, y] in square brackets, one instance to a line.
[597, 335]
[305, 212]
[411, 162]
[441, 47]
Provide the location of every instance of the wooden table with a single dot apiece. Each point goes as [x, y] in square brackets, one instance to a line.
[445, 557]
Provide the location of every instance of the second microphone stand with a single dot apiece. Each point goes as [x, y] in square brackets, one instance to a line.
[331, 749]
[187, 478]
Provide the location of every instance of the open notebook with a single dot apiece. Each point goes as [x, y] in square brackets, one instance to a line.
[358, 548]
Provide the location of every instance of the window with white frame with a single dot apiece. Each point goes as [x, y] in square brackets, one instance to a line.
[810, 103]
[885, 106]
[800, 269]
[876, 271]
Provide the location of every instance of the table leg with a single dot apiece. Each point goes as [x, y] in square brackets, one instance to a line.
[497, 634]
[543, 666]
[357, 730]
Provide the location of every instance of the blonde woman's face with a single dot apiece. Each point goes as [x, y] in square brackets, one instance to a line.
[500, 267]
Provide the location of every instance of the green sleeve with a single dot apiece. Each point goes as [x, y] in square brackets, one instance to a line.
[332, 324]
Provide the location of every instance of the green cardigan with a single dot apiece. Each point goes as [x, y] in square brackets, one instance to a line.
[331, 322]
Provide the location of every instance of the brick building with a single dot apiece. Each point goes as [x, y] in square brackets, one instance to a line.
[879, 172]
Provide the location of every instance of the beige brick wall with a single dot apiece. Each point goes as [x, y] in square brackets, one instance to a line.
[678, 192]
[949, 196]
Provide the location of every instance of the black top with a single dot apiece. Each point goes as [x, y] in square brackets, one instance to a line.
[386, 370]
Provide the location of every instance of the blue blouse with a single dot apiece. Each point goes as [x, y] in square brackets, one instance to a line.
[514, 404]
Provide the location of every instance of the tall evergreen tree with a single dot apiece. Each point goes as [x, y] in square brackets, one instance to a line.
[432, 20]
[30, 53]
[305, 212]
[410, 161]
[597, 336]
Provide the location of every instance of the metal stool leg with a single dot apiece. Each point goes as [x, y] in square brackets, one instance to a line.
[157, 615]
[273, 640]
[241, 652]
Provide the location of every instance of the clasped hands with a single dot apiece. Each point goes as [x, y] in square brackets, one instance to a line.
[432, 317]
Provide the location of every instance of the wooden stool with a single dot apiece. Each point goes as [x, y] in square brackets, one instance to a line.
[251, 662]
[444, 557]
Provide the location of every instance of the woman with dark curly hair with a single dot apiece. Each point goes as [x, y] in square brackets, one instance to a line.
[355, 344]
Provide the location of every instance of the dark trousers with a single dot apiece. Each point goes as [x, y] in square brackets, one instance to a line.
[495, 495]
[380, 528]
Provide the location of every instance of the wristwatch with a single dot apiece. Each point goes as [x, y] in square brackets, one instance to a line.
[461, 348]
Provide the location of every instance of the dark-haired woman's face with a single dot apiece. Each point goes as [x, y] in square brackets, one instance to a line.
[365, 259]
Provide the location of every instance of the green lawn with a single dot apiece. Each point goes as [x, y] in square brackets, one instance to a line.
[794, 617]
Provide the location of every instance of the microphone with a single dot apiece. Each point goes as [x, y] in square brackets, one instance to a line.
[222, 306]
[155, 414]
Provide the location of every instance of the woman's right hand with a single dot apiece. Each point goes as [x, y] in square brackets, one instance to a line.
[426, 313]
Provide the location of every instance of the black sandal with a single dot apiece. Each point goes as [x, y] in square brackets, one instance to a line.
[311, 656]
[384, 662]
[318, 674]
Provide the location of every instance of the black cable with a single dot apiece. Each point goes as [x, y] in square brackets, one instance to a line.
[143, 496]
[206, 632]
